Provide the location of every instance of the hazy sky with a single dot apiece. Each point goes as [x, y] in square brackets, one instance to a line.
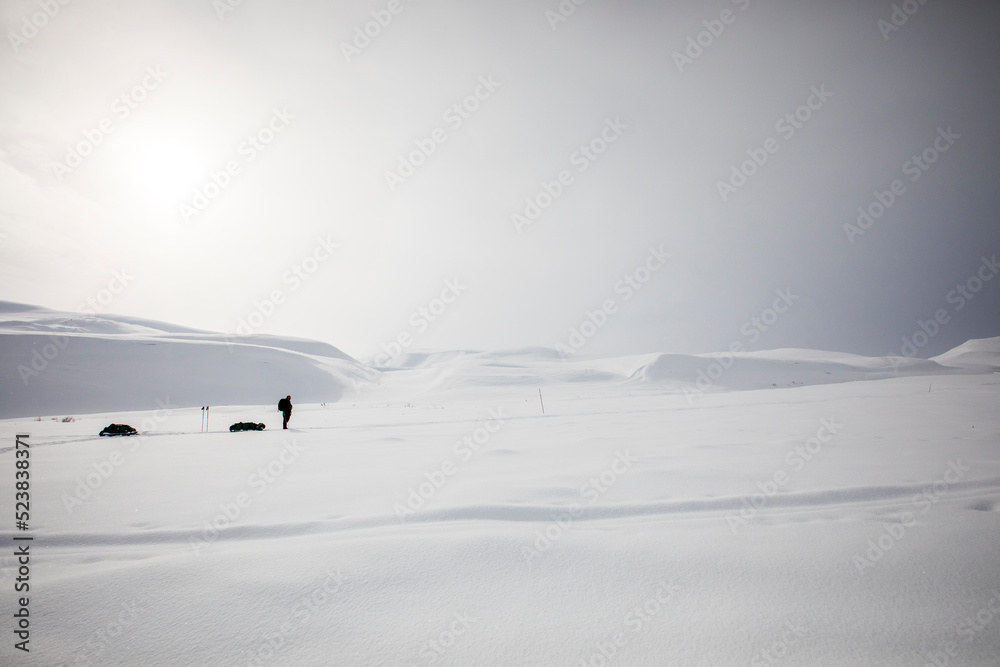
[623, 123]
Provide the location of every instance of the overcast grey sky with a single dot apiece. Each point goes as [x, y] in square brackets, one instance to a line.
[622, 121]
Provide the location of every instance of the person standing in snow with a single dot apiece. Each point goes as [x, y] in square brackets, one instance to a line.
[285, 405]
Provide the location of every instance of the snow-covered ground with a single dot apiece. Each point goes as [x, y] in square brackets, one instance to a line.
[789, 507]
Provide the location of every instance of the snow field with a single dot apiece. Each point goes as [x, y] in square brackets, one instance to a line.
[602, 532]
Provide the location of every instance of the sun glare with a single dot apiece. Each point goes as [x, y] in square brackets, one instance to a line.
[166, 171]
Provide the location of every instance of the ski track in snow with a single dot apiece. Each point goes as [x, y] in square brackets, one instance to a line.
[861, 498]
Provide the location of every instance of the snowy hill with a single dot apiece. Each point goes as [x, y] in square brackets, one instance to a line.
[982, 353]
[61, 363]
[55, 363]
[526, 366]
[785, 368]
[685, 372]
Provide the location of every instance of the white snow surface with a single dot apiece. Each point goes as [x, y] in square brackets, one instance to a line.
[807, 508]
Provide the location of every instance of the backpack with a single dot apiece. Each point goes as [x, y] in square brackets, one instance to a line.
[118, 429]
[246, 426]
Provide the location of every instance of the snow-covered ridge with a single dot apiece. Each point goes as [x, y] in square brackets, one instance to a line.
[978, 352]
[791, 367]
[21, 318]
[55, 363]
[58, 363]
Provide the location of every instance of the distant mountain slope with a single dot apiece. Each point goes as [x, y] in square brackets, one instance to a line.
[679, 372]
[21, 318]
[782, 368]
[981, 352]
[524, 366]
[55, 363]
[18, 317]
[59, 363]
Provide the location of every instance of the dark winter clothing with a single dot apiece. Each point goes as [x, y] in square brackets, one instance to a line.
[285, 405]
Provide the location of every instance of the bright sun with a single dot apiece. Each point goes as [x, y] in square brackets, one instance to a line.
[166, 171]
